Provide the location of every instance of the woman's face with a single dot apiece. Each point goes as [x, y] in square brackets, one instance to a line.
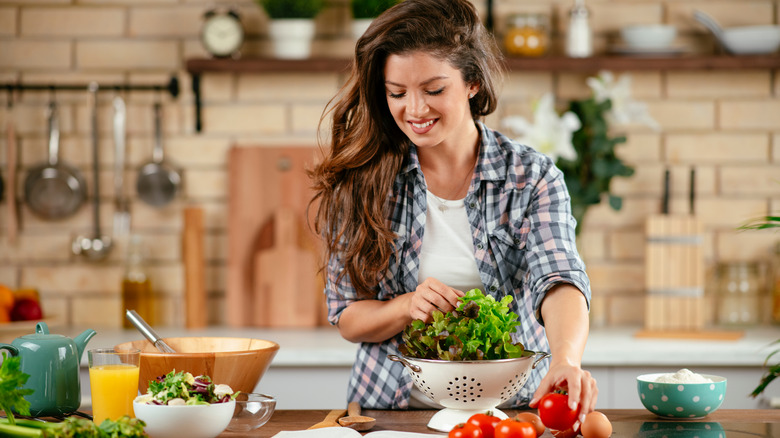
[429, 100]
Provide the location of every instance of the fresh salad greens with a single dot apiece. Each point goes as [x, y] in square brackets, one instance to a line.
[73, 427]
[480, 328]
[11, 393]
[183, 388]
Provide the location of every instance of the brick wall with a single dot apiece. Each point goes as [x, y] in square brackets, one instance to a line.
[726, 123]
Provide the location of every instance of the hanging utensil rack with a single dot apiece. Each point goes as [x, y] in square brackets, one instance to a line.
[172, 87]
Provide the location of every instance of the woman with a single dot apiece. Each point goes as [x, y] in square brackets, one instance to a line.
[419, 202]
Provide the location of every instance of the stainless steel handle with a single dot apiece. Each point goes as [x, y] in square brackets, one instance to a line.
[148, 331]
[119, 145]
[54, 134]
[542, 355]
[396, 358]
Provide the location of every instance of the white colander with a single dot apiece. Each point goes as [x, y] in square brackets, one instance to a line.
[464, 388]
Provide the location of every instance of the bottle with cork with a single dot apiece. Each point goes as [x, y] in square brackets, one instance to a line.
[775, 284]
[136, 285]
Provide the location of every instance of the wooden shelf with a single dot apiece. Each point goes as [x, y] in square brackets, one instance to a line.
[550, 63]
[198, 66]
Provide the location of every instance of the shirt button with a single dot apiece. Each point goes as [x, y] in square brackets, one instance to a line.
[516, 241]
[473, 204]
[480, 246]
[493, 288]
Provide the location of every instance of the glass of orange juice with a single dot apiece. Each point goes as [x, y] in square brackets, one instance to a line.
[113, 379]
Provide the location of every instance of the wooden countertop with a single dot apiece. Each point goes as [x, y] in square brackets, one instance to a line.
[626, 422]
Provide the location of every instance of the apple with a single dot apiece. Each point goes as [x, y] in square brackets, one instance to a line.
[26, 309]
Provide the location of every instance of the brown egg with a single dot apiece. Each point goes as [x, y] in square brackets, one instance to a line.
[568, 433]
[534, 419]
[596, 425]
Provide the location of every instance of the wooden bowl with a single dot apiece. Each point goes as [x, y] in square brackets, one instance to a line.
[237, 362]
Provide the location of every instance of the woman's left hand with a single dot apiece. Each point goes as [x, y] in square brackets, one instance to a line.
[580, 385]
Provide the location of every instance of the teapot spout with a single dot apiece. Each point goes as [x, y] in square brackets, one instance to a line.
[82, 339]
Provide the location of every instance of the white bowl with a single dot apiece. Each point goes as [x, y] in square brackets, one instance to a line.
[681, 400]
[196, 421]
[648, 36]
[752, 40]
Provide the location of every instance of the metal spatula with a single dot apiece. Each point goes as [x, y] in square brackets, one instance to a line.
[148, 332]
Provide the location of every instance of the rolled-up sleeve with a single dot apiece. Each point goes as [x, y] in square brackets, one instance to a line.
[551, 248]
[339, 291]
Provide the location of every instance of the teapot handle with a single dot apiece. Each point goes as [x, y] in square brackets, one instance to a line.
[42, 328]
[13, 350]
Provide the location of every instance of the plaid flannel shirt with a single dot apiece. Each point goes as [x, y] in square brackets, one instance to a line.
[524, 242]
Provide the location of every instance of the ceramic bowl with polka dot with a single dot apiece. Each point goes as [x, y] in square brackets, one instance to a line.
[681, 400]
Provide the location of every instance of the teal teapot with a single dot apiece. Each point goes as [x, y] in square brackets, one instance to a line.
[52, 361]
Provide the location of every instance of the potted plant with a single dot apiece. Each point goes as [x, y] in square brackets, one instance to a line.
[364, 12]
[772, 370]
[292, 26]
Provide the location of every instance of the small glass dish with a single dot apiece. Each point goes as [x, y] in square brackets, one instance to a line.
[252, 411]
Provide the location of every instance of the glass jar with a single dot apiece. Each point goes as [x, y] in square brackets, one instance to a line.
[739, 293]
[527, 35]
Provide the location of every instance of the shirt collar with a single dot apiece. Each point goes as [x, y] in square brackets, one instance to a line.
[491, 165]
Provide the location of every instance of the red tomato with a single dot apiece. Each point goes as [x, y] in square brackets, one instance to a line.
[555, 413]
[465, 430]
[486, 422]
[510, 428]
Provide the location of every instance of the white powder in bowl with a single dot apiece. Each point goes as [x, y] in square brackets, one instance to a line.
[683, 376]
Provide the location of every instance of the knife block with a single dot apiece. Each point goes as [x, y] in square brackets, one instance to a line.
[674, 274]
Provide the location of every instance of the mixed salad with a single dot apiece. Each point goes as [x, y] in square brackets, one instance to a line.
[480, 328]
[183, 388]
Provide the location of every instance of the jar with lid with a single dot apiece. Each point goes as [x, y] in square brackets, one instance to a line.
[527, 34]
[579, 38]
[738, 293]
[136, 286]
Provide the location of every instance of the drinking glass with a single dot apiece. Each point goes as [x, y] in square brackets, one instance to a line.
[113, 378]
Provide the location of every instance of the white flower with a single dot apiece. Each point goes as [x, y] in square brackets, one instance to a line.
[549, 134]
[624, 109]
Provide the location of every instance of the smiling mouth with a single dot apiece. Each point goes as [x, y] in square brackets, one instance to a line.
[423, 125]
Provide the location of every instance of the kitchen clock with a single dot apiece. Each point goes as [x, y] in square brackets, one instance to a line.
[222, 33]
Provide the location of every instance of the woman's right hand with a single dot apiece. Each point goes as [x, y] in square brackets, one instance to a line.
[432, 295]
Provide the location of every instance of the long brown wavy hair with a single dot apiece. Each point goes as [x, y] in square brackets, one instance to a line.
[354, 181]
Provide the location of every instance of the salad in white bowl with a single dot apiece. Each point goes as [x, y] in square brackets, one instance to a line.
[180, 404]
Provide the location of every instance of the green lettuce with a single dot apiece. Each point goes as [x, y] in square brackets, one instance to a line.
[480, 328]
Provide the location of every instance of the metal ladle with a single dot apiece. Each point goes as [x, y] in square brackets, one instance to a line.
[158, 182]
[97, 247]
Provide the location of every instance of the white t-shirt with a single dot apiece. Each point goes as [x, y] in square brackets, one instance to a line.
[447, 252]
[447, 255]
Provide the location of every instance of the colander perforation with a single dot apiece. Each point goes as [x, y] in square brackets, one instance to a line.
[464, 389]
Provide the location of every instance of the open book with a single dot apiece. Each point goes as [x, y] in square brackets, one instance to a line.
[345, 432]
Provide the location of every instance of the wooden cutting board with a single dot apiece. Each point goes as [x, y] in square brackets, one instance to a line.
[262, 180]
[284, 287]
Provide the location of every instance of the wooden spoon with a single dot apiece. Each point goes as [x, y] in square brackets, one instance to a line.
[330, 419]
[354, 420]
